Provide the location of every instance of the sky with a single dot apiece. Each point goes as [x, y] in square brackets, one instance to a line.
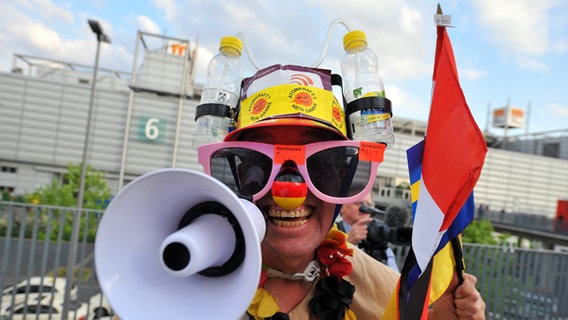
[507, 51]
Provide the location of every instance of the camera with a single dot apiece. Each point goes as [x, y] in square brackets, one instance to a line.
[380, 234]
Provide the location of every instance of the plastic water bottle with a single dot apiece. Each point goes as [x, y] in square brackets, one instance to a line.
[360, 71]
[220, 94]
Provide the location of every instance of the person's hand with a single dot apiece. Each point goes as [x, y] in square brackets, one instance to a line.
[358, 230]
[461, 302]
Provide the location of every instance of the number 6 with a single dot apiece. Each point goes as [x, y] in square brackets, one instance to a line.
[151, 131]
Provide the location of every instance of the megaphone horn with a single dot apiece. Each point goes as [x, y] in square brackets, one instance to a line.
[183, 241]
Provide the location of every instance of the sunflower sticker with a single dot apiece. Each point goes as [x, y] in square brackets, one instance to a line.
[259, 106]
[337, 115]
[303, 99]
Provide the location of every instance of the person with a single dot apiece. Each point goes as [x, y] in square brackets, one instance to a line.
[355, 224]
[291, 154]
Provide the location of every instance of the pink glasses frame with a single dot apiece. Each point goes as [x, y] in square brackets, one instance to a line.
[375, 157]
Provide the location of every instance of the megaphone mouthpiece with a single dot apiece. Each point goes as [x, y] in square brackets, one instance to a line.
[209, 241]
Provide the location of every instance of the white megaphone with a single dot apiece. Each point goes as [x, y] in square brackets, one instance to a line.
[178, 244]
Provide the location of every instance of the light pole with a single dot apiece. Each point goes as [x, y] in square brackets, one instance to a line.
[101, 37]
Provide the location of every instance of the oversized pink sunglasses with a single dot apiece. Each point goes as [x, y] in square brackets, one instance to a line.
[338, 171]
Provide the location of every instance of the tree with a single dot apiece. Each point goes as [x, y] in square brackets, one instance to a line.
[479, 231]
[96, 196]
[97, 193]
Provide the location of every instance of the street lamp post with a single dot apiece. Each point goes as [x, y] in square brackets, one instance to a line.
[101, 37]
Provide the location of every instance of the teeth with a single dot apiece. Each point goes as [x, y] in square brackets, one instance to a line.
[280, 217]
[298, 213]
[288, 224]
[287, 214]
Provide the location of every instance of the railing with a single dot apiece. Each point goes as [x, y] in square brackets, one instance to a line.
[526, 220]
[519, 283]
[34, 241]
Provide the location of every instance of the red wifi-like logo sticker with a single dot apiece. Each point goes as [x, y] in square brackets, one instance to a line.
[301, 79]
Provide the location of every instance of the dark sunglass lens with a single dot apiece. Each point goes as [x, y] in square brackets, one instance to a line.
[338, 172]
[243, 170]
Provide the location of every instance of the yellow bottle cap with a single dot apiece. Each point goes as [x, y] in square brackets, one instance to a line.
[231, 44]
[356, 39]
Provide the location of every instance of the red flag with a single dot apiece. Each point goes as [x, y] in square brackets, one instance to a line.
[454, 152]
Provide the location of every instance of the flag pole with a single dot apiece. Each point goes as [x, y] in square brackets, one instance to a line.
[458, 256]
[441, 19]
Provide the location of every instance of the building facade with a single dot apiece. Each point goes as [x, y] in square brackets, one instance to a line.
[144, 120]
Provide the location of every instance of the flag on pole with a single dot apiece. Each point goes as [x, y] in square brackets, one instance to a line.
[448, 164]
[454, 152]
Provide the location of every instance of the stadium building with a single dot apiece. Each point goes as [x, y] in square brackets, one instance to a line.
[144, 120]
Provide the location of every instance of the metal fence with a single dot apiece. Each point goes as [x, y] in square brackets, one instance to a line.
[34, 241]
[520, 283]
[34, 251]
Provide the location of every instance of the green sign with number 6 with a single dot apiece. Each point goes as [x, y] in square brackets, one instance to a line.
[151, 129]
